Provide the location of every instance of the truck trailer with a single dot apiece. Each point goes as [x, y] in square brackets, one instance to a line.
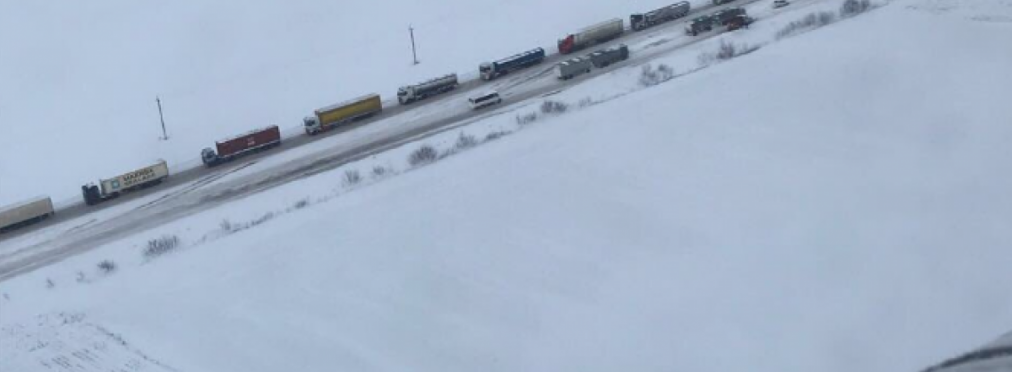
[420, 91]
[113, 187]
[699, 25]
[332, 116]
[25, 213]
[566, 70]
[237, 146]
[640, 22]
[605, 57]
[492, 70]
[598, 33]
[722, 17]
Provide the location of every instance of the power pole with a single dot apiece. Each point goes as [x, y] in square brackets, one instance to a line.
[414, 54]
[165, 135]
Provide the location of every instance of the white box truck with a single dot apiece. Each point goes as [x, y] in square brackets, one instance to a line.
[25, 213]
[113, 187]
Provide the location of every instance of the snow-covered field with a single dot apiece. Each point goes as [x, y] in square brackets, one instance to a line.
[224, 68]
[834, 201]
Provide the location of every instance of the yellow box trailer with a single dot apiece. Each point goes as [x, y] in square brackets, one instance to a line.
[345, 112]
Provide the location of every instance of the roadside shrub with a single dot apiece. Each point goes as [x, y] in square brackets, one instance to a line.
[163, 245]
[107, 266]
[50, 284]
[465, 141]
[852, 8]
[726, 51]
[554, 107]
[298, 205]
[80, 277]
[266, 217]
[586, 102]
[226, 225]
[352, 177]
[423, 155]
[527, 118]
[808, 23]
[495, 135]
[650, 76]
[378, 171]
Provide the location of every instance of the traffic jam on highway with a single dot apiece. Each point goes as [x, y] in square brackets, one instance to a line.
[340, 114]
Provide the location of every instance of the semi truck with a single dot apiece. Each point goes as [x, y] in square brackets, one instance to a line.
[722, 17]
[113, 187]
[566, 70]
[332, 116]
[237, 146]
[598, 33]
[25, 213]
[411, 93]
[640, 22]
[699, 25]
[605, 57]
[492, 70]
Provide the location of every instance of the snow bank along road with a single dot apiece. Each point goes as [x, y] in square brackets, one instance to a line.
[516, 87]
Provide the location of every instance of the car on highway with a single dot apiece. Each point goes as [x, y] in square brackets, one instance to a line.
[485, 100]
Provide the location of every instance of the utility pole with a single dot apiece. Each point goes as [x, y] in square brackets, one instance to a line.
[165, 135]
[414, 54]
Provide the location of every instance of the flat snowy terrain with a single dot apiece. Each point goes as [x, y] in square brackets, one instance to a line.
[834, 201]
[77, 102]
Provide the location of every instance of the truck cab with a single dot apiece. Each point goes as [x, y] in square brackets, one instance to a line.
[209, 157]
[487, 71]
[405, 95]
[312, 125]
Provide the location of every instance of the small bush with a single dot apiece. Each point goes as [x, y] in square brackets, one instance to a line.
[378, 171]
[527, 118]
[226, 225]
[165, 244]
[107, 266]
[725, 52]
[50, 284]
[650, 76]
[554, 107]
[495, 135]
[465, 141]
[298, 205]
[80, 277]
[808, 23]
[352, 177]
[423, 155]
[586, 102]
[263, 218]
[852, 8]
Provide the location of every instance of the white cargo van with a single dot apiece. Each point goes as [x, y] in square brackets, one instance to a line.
[484, 100]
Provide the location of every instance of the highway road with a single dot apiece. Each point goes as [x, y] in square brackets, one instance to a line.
[519, 86]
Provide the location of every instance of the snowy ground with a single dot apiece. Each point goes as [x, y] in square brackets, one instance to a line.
[224, 68]
[816, 205]
[74, 234]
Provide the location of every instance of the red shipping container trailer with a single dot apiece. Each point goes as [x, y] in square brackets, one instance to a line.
[241, 145]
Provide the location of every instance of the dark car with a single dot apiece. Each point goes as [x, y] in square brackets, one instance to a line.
[739, 22]
[699, 25]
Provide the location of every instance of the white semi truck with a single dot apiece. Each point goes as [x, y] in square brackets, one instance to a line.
[420, 91]
[112, 187]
